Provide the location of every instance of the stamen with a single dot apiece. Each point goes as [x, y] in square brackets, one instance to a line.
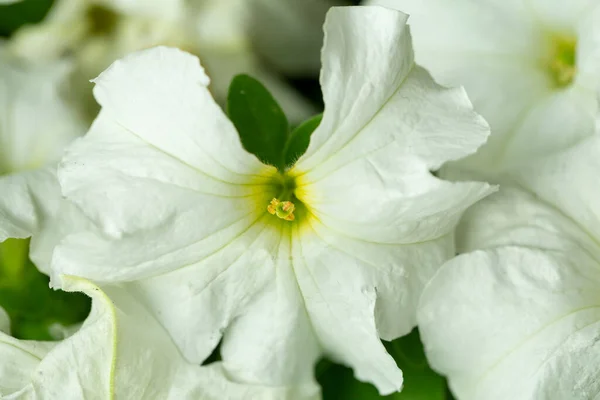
[282, 209]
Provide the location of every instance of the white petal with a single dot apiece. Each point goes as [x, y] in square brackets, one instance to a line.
[387, 198]
[565, 181]
[27, 200]
[273, 340]
[4, 321]
[115, 190]
[35, 122]
[515, 217]
[515, 323]
[18, 361]
[120, 351]
[561, 16]
[176, 113]
[498, 51]
[196, 303]
[370, 104]
[503, 27]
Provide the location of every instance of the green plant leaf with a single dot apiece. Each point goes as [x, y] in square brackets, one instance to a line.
[259, 120]
[420, 381]
[299, 140]
[13, 16]
[25, 293]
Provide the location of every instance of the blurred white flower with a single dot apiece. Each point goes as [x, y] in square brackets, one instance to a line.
[120, 351]
[530, 68]
[4, 321]
[97, 32]
[520, 318]
[289, 33]
[35, 126]
[322, 259]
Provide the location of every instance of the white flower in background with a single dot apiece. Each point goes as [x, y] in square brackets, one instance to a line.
[289, 34]
[4, 321]
[35, 126]
[96, 32]
[120, 351]
[530, 68]
[520, 318]
[186, 212]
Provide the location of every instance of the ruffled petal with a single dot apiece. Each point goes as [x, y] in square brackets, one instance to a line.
[515, 323]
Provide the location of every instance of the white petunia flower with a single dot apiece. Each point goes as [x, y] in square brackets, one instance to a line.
[289, 34]
[321, 259]
[530, 68]
[520, 318]
[120, 351]
[96, 32]
[35, 126]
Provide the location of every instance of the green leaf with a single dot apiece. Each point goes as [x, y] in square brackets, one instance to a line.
[13, 16]
[260, 122]
[420, 382]
[299, 140]
[26, 296]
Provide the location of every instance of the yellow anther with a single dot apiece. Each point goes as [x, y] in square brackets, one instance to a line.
[282, 209]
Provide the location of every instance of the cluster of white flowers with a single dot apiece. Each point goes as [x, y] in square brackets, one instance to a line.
[482, 143]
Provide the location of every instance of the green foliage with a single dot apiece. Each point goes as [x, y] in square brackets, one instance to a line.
[420, 382]
[260, 122]
[13, 16]
[299, 140]
[26, 296]
[263, 127]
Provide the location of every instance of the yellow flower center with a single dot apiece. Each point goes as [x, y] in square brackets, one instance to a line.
[285, 203]
[282, 209]
[562, 64]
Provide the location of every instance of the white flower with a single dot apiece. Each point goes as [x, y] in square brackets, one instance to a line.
[4, 321]
[520, 318]
[96, 32]
[120, 351]
[289, 34]
[530, 68]
[184, 209]
[35, 126]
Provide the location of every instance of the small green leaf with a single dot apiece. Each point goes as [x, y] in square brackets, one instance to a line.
[25, 293]
[299, 140]
[420, 382]
[260, 122]
[13, 16]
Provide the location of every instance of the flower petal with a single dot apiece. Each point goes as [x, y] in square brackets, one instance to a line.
[501, 52]
[556, 179]
[4, 321]
[387, 198]
[535, 312]
[120, 351]
[197, 302]
[35, 121]
[181, 197]
[27, 200]
[370, 104]
[196, 131]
